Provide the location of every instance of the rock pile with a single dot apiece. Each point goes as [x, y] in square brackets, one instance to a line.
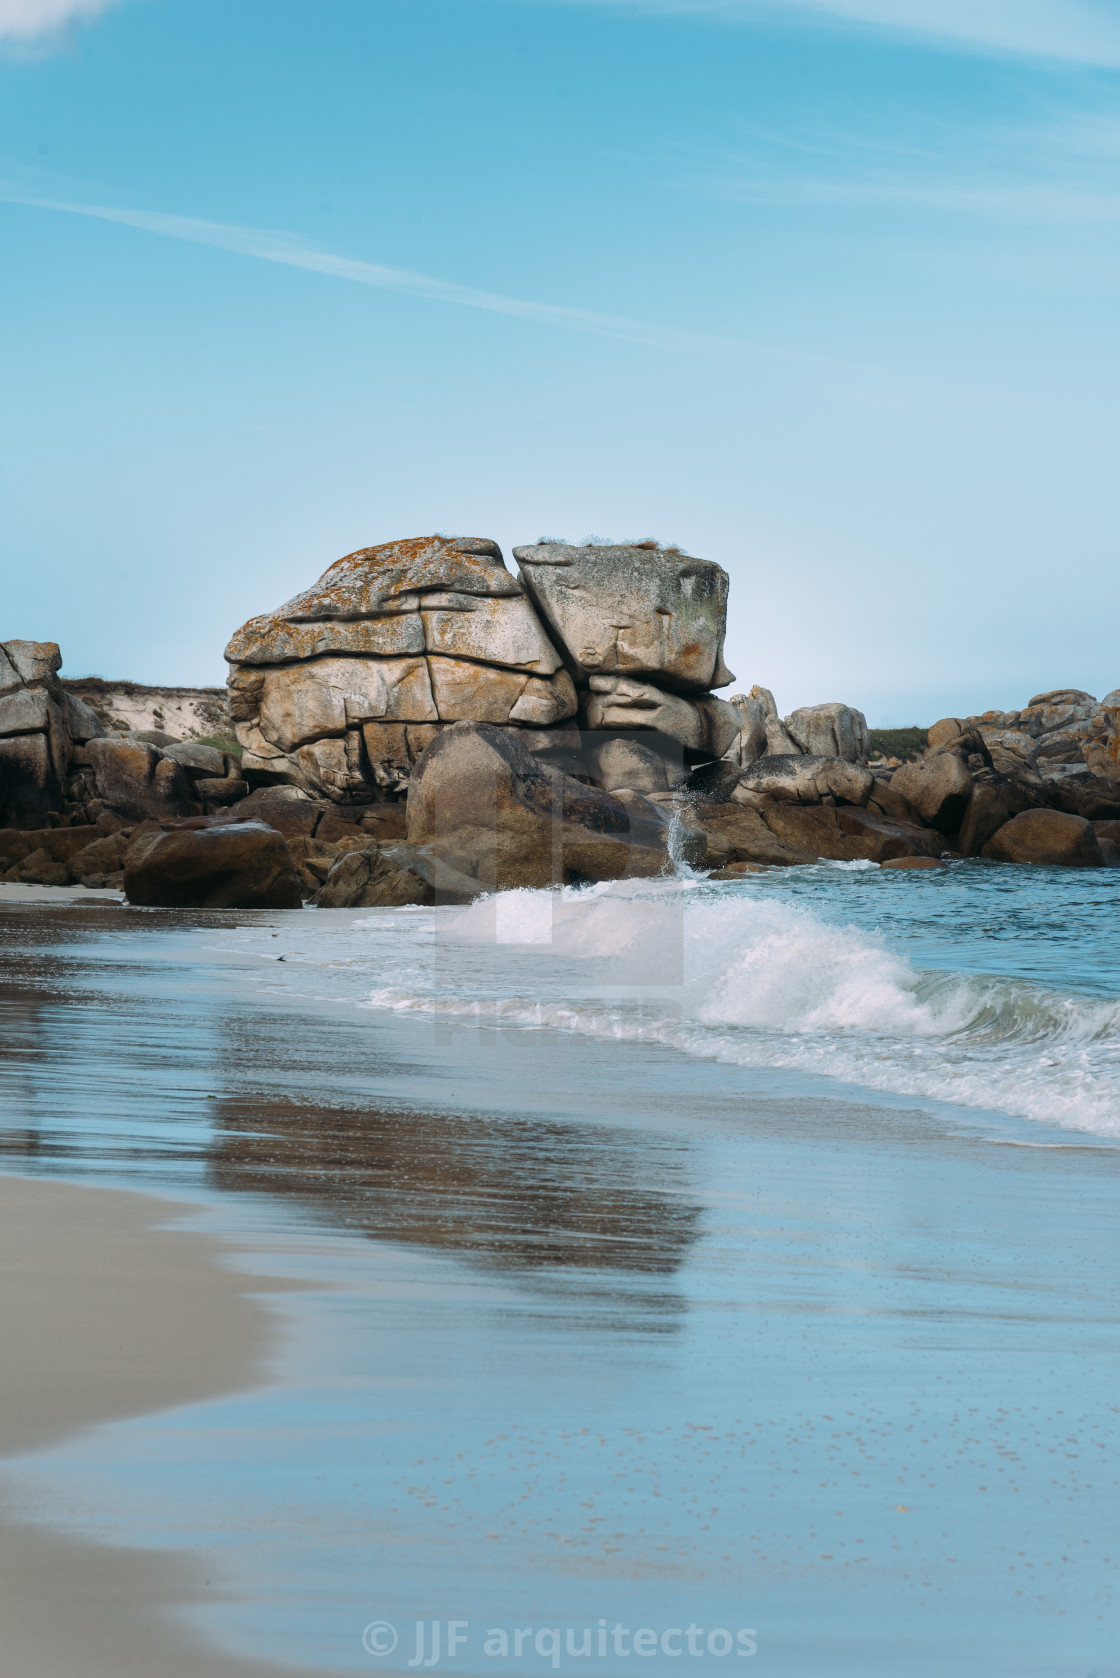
[421, 726]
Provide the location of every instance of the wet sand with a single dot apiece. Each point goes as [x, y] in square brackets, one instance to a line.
[105, 1312]
[601, 1330]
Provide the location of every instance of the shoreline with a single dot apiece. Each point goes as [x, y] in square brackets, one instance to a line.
[107, 1314]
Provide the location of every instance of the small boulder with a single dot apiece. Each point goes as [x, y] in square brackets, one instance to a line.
[243, 866]
[1046, 838]
[937, 789]
[907, 862]
[40, 869]
[798, 779]
[34, 662]
[196, 758]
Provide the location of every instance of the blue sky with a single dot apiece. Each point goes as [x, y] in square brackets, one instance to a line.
[822, 289]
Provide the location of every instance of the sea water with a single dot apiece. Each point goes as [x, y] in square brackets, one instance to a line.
[740, 1257]
[979, 986]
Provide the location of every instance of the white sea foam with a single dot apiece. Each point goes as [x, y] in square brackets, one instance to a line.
[745, 979]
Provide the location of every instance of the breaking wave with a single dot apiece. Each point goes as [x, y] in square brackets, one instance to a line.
[762, 982]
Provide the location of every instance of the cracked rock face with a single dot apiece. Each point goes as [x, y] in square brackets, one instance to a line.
[342, 688]
[632, 611]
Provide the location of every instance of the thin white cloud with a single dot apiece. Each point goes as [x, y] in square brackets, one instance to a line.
[26, 21]
[1077, 31]
[285, 248]
[1029, 203]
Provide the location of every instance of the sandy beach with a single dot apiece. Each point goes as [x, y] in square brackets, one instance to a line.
[107, 1312]
[597, 1326]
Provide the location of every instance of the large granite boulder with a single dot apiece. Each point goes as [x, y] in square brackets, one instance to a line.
[238, 866]
[340, 690]
[1050, 838]
[632, 610]
[493, 811]
[832, 730]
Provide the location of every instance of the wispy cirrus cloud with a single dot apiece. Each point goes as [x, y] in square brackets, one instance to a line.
[285, 248]
[26, 22]
[1076, 31]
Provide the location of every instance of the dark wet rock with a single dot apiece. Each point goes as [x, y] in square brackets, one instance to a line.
[244, 866]
[105, 854]
[713, 783]
[1051, 838]
[30, 785]
[393, 876]
[478, 796]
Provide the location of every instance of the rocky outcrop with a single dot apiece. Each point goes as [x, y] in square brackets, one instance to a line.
[241, 866]
[1048, 838]
[497, 814]
[340, 690]
[1064, 745]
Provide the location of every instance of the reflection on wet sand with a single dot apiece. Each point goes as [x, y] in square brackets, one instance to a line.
[189, 1083]
[516, 1192]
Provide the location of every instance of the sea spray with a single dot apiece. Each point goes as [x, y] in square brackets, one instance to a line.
[766, 974]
